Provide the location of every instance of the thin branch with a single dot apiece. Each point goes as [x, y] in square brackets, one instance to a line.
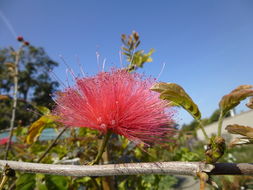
[15, 95]
[173, 168]
[52, 145]
[220, 123]
[177, 168]
[101, 149]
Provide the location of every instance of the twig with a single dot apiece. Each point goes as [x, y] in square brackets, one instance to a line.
[173, 168]
[7, 173]
[95, 183]
[52, 145]
[101, 149]
[220, 123]
[177, 168]
[15, 95]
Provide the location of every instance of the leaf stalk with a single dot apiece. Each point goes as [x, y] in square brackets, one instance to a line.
[220, 123]
[101, 149]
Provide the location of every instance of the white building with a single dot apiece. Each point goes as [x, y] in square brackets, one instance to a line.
[244, 118]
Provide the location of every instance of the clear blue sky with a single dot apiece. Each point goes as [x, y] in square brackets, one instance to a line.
[207, 45]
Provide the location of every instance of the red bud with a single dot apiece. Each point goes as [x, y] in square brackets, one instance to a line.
[26, 43]
[20, 38]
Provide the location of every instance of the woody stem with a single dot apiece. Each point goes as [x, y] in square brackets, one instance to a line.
[15, 99]
[4, 180]
[101, 149]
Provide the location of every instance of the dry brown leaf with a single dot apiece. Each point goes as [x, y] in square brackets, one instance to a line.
[241, 130]
[234, 98]
[240, 141]
[241, 87]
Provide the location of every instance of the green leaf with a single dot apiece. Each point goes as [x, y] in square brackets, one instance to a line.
[38, 126]
[234, 98]
[135, 58]
[139, 58]
[56, 182]
[127, 54]
[44, 110]
[175, 93]
[40, 184]
[26, 182]
[126, 49]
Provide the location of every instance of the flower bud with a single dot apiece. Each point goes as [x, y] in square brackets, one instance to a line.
[20, 38]
[26, 43]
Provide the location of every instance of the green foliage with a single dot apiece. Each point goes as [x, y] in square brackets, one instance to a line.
[23, 117]
[26, 182]
[38, 126]
[56, 182]
[184, 154]
[135, 58]
[150, 182]
[34, 82]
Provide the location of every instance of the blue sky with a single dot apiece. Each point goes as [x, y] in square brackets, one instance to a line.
[207, 45]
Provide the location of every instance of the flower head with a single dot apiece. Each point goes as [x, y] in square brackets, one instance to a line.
[4, 141]
[116, 101]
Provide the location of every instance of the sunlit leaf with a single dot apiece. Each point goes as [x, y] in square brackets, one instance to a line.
[139, 58]
[175, 93]
[125, 49]
[242, 87]
[44, 110]
[38, 126]
[127, 54]
[135, 58]
[231, 100]
[241, 130]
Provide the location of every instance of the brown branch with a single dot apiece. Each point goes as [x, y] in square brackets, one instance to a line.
[173, 168]
[232, 169]
[177, 168]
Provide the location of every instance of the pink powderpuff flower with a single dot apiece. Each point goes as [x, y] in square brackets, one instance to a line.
[117, 101]
[4, 141]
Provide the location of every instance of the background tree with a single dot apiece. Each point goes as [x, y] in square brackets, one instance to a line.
[35, 83]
